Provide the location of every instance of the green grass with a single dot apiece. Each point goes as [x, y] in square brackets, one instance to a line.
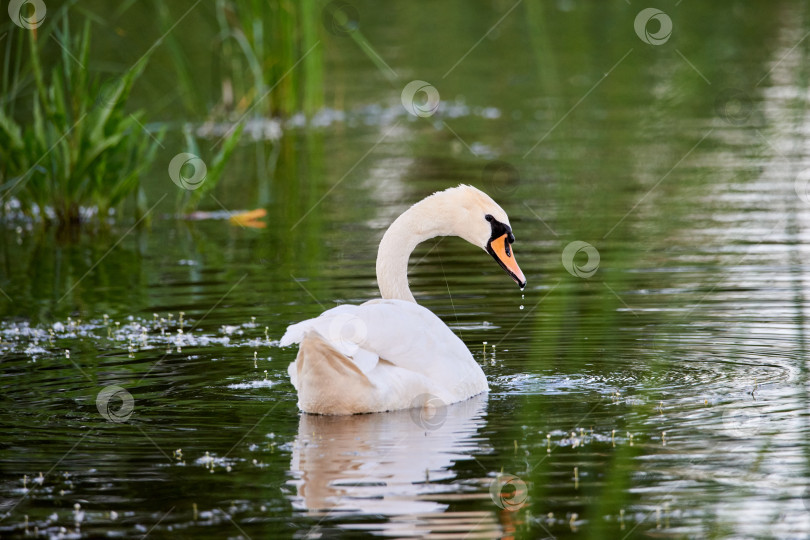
[272, 55]
[189, 200]
[66, 139]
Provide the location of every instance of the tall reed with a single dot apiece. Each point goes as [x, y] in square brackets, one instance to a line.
[272, 55]
[68, 147]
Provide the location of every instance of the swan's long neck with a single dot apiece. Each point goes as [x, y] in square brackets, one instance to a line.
[431, 217]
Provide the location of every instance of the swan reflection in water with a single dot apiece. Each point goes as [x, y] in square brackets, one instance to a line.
[391, 464]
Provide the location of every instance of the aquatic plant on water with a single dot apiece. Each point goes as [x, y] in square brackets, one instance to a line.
[69, 145]
[272, 56]
[189, 199]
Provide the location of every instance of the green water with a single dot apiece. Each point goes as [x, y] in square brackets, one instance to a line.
[666, 395]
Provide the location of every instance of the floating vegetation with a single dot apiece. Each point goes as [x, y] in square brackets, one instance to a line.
[251, 385]
[211, 462]
[134, 335]
[271, 129]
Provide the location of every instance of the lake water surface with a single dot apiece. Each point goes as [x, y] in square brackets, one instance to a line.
[650, 381]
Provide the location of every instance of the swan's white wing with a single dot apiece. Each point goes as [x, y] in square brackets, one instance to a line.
[400, 332]
[394, 354]
[343, 329]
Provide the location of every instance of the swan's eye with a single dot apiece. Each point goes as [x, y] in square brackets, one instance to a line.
[488, 217]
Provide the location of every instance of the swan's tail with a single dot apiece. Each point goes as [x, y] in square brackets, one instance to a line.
[328, 382]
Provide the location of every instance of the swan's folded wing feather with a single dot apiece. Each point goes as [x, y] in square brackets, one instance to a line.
[321, 323]
[343, 329]
[403, 333]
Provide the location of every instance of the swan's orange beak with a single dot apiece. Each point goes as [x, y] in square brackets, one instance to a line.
[501, 250]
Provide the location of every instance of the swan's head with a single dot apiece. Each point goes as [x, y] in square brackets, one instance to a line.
[479, 220]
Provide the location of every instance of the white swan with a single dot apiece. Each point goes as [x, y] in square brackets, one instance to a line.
[392, 353]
